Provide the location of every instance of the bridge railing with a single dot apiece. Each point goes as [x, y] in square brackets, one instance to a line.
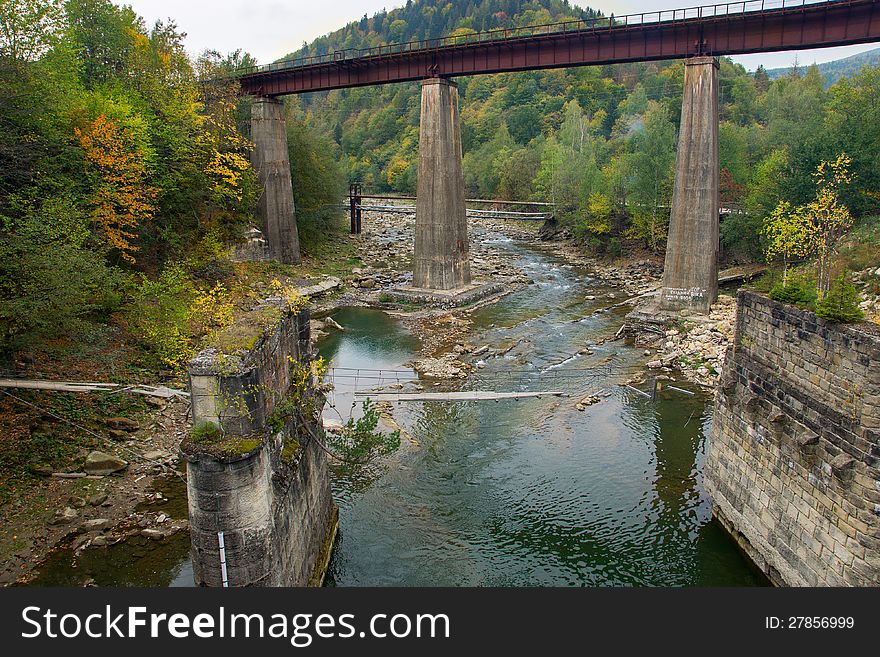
[600, 23]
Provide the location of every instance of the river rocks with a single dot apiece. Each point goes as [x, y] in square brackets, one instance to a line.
[76, 502]
[64, 516]
[96, 524]
[98, 499]
[122, 424]
[158, 455]
[41, 469]
[154, 534]
[100, 463]
[445, 367]
[317, 329]
[587, 401]
[699, 346]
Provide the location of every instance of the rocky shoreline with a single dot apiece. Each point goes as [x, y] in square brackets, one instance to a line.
[111, 497]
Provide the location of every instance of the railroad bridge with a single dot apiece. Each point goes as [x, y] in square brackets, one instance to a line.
[698, 35]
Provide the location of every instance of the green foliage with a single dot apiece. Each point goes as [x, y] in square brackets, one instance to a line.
[651, 161]
[841, 302]
[318, 181]
[615, 248]
[797, 289]
[50, 286]
[360, 440]
[28, 28]
[205, 432]
[159, 314]
[110, 152]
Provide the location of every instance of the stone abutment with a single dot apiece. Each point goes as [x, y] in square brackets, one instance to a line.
[792, 464]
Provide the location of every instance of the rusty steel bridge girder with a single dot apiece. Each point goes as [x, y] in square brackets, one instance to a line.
[724, 32]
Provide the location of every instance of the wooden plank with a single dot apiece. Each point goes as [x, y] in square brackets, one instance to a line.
[60, 386]
[73, 386]
[470, 395]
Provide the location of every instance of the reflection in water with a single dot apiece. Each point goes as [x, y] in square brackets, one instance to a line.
[534, 492]
[137, 561]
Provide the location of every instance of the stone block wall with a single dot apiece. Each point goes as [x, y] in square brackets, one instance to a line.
[267, 491]
[792, 464]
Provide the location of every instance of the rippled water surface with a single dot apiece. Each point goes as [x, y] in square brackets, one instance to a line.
[530, 492]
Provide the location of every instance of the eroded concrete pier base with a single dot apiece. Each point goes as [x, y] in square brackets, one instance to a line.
[441, 257]
[690, 274]
[272, 163]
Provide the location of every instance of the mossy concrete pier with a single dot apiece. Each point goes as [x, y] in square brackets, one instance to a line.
[441, 256]
[260, 507]
[271, 161]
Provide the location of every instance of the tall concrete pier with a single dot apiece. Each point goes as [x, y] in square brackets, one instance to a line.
[690, 274]
[271, 160]
[441, 259]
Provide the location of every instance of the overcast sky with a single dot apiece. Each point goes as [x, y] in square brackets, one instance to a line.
[269, 29]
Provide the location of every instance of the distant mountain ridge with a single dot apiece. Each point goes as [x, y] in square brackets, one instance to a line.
[837, 69]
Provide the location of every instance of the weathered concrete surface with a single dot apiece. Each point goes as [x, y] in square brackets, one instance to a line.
[691, 268]
[792, 464]
[238, 391]
[441, 257]
[267, 488]
[451, 298]
[271, 160]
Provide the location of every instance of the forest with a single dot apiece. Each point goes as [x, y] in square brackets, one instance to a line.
[600, 141]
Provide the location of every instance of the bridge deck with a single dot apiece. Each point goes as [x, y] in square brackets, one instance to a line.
[724, 29]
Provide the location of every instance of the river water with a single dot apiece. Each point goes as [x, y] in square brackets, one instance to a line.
[534, 491]
[506, 493]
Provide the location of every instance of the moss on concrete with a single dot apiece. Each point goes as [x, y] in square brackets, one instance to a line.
[207, 438]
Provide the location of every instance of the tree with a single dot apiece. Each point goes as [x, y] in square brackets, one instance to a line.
[841, 302]
[815, 227]
[121, 199]
[790, 234]
[829, 218]
[651, 162]
[28, 28]
[762, 80]
[318, 180]
[103, 36]
[766, 188]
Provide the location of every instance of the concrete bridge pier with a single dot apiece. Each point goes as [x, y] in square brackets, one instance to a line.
[690, 274]
[441, 258]
[271, 160]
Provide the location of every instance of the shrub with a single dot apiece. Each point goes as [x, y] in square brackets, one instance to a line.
[841, 302]
[799, 289]
[614, 247]
[205, 433]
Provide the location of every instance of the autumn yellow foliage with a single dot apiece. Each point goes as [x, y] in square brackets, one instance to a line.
[122, 199]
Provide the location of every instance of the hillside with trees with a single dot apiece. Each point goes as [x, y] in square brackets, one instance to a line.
[600, 141]
[837, 69]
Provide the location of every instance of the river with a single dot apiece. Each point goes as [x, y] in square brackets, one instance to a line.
[506, 493]
[530, 492]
